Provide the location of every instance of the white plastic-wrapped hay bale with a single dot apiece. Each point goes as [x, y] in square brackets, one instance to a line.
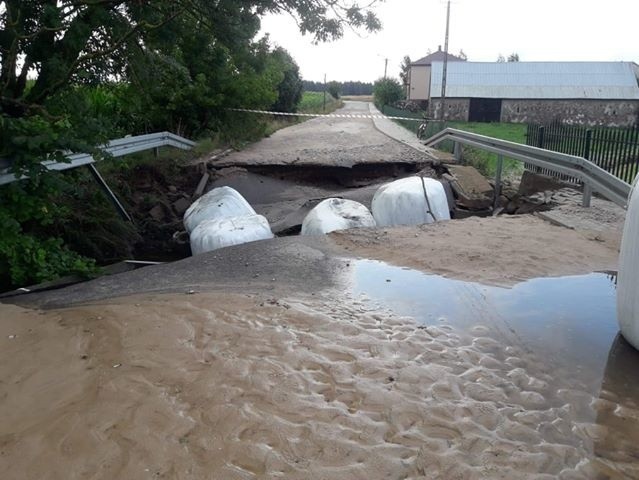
[224, 232]
[221, 202]
[410, 201]
[336, 214]
[628, 278]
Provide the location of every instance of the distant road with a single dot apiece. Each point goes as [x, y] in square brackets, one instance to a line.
[327, 141]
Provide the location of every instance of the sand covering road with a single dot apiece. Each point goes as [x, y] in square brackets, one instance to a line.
[223, 385]
[237, 386]
[498, 251]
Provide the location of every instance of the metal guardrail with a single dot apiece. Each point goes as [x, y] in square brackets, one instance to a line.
[115, 148]
[593, 177]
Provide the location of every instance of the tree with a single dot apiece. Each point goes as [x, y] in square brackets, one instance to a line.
[501, 58]
[175, 64]
[85, 39]
[513, 57]
[289, 89]
[462, 55]
[404, 73]
[334, 88]
[387, 91]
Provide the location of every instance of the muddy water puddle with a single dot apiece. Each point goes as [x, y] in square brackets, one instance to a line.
[571, 319]
[561, 330]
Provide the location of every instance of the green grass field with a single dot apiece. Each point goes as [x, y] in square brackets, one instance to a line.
[487, 162]
[313, 102]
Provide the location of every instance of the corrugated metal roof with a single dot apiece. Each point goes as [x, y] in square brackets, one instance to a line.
[538, 80]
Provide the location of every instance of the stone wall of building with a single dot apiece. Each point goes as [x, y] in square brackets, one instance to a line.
[612, 113]
[456, 109]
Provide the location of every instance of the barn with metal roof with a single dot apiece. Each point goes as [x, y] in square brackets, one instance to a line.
[590, 93]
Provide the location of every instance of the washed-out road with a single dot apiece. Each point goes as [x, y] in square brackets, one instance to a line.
[347, 355]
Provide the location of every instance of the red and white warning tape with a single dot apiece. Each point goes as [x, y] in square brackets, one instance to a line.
[327, 115]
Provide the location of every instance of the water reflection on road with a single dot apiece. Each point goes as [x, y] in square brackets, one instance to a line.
[567, 328]
[572, 319]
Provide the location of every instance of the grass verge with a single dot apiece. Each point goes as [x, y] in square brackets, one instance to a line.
[485, 162]
[313, 102]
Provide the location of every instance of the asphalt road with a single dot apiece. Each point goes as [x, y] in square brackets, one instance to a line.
[287, 265]
[341, 142]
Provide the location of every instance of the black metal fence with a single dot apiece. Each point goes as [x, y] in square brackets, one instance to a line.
[616, 150]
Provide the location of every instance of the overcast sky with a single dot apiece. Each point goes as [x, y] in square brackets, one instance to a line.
[537, 30]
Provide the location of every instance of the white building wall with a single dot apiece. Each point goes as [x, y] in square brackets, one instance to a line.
[419, 87]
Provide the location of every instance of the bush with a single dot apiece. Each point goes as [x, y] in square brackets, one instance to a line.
[334, 88]
[387, 91]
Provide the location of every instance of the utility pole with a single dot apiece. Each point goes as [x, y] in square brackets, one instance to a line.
[324, 106]
[385, 66]
[445, 70]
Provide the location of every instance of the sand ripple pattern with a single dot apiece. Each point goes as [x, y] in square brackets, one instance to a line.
[241, 387]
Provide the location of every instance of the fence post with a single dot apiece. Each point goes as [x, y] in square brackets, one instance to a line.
[540, 138]
[587, 145]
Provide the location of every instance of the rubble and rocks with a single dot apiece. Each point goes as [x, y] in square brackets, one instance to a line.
[474, 194]
[532, 182]
[472, 190]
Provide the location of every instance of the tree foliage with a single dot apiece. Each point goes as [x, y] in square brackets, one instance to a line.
[74, 73]
[289, 88]
[387, 91]
[404, 73]
[346, 88]
[334, 88]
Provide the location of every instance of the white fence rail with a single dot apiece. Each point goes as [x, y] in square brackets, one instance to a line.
[593, 177]
[115, 148]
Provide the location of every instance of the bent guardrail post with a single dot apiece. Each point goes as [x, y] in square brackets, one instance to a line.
[115, 148]
[592, 176]
[109, 193]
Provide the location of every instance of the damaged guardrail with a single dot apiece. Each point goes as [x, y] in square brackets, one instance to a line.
[115, 148]
[594, 178]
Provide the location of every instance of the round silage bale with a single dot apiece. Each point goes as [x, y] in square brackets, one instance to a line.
[221, 202]
[628, 277]
[224, 232]
[336, 214]
[410, 201]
